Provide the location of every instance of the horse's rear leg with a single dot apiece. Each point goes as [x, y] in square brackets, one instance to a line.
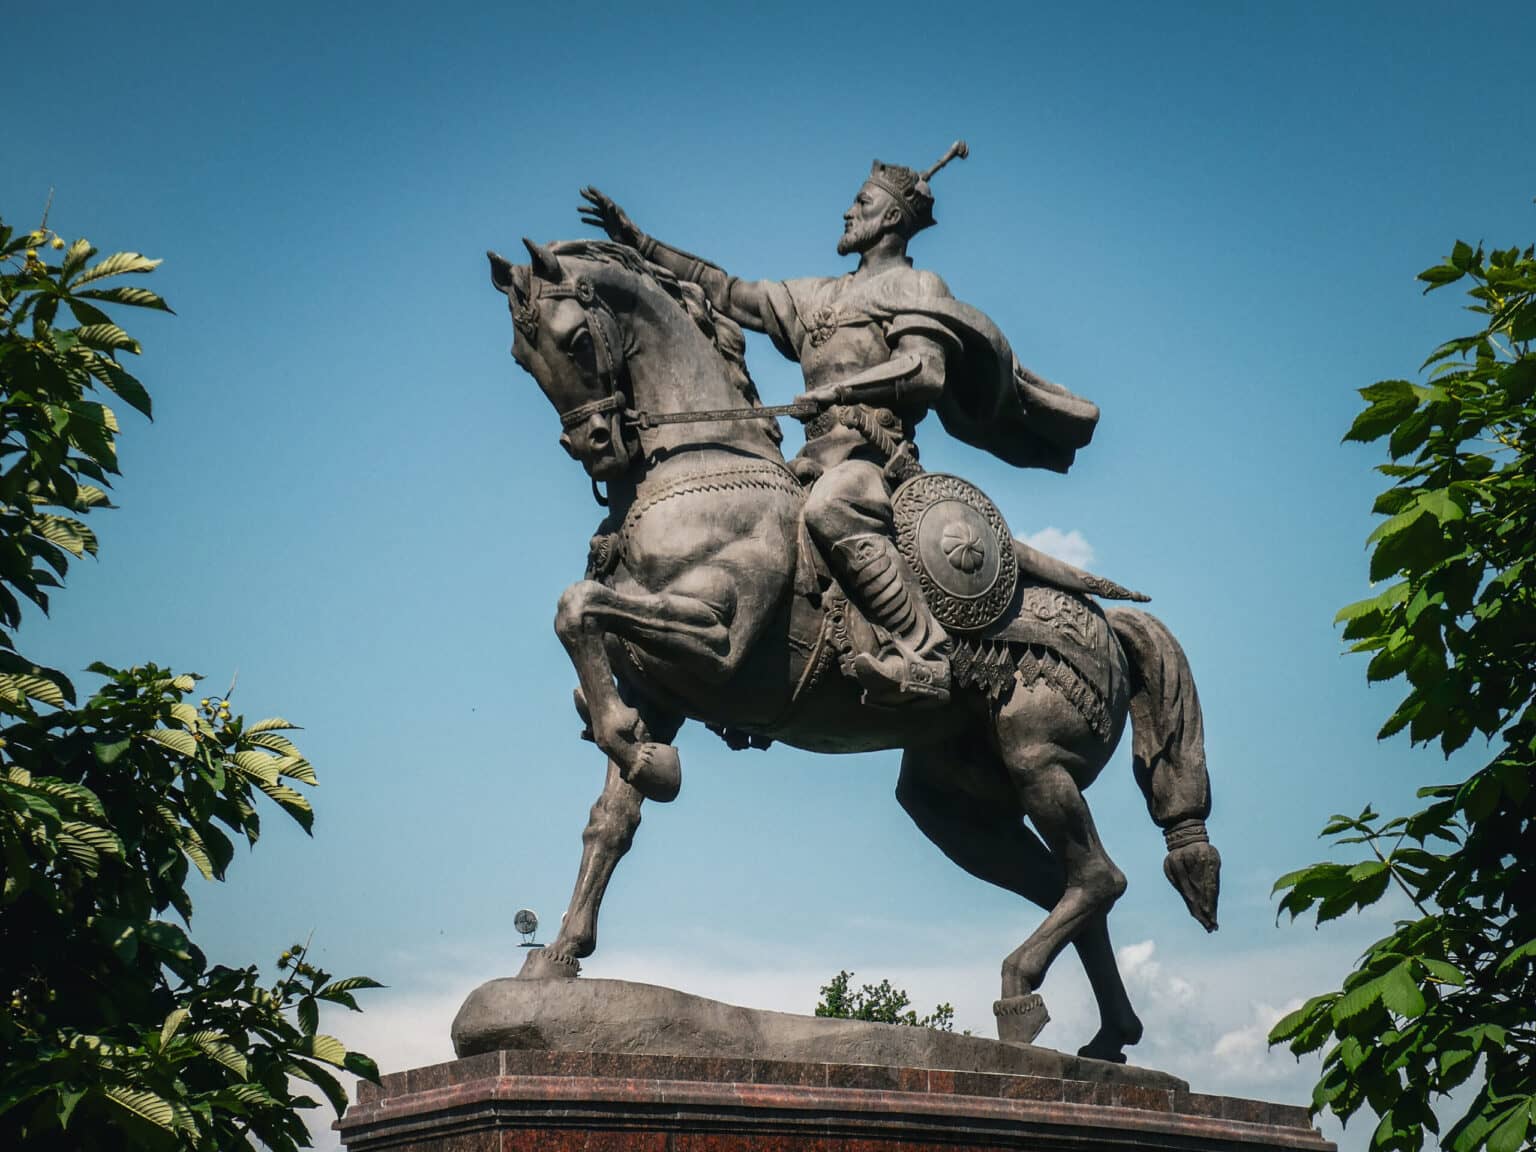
[973, 816]
[1050, 755]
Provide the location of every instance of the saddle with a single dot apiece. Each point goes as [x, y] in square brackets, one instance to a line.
[1008, 607]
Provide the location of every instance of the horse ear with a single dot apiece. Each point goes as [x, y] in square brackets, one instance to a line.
[501, 271]
[545, 263]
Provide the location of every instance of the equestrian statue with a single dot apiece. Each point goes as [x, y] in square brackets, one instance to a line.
[847, 600]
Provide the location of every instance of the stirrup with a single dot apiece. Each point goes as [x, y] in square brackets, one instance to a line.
[921, 683]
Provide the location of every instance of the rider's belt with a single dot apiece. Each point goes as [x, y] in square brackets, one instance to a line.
[880, 427]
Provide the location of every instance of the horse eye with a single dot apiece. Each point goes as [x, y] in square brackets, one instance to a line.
[580, 347]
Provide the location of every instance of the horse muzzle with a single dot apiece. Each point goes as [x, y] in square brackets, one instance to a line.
[599, 445]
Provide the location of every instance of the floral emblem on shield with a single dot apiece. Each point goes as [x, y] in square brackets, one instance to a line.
[963, 548]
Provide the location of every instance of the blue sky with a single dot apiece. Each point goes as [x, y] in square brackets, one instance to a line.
[1205, 217]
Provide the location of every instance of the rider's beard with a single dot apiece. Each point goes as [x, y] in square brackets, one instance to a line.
[858, 237]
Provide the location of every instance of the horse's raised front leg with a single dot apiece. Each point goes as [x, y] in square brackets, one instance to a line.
[693, 625]
[585, 615]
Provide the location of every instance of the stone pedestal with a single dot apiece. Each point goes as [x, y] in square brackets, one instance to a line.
[573, 1101]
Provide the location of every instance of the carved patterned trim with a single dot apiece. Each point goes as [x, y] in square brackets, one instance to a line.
[991, 666]
[963, 613]
[765, 476]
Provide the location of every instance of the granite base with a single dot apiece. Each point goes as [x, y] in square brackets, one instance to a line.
[587, 1102]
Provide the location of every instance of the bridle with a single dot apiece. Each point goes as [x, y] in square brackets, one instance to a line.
[603, 328]
[609, 352]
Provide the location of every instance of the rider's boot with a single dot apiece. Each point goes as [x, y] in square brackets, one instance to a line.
[911, 668]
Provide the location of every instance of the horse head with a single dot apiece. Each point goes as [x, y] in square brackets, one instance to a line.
[569, 338]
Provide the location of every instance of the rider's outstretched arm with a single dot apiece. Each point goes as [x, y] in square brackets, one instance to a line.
[744, 301]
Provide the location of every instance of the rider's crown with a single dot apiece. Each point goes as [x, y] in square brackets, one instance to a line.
[910, 189]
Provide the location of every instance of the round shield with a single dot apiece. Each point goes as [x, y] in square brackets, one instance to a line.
[959, 548]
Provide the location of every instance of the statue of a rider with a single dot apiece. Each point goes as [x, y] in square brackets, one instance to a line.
[880, 347]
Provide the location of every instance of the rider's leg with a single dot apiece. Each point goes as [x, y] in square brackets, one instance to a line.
[968, 808]
[848, 513]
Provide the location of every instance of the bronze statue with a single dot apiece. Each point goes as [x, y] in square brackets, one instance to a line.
[848, 601]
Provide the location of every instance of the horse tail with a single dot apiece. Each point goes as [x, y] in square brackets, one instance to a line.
[1168, 756]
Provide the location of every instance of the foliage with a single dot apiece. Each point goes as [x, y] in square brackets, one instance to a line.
[1447, 1002]
[117, 1032]
[879, 1002]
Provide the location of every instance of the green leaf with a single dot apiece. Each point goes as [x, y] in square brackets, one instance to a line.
[218, 1048]
[1525, 953]
[350, 984]
[1509, 1136]
[271, 724]
[175, 739]
[292, 802]
[257, 766]
[1440, 275]
[41, 688]
[173, 1023]
[107, 337]
[1442, 971]
[1384, 600]
[134, 297]
[144, 1104]
[79, 252]
[1400, 993]
[108, 753]
[103, 840]
[117, 264]
[67, 1099]
[327, 1048]
[334, 1092]
[1356, 1001]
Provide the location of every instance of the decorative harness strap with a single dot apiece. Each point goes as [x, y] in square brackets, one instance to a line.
[602, 326]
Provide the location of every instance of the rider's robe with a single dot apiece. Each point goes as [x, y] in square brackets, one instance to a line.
[990, 401]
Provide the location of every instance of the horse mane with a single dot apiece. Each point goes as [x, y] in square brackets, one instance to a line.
[723, 332]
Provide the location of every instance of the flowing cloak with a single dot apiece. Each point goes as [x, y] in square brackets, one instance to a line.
[990, 401]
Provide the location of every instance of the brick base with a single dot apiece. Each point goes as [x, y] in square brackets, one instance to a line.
[584, 1102]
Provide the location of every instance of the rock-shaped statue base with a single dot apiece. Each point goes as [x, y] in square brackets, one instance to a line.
[616, 1016]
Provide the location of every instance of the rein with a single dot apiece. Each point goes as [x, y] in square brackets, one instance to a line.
[716, 415]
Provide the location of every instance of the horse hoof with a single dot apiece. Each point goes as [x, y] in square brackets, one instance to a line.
[547, 964]
[1109, 1051]
[657, 773]
[1020, 1018]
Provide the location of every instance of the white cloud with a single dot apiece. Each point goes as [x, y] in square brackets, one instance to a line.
[1141, 973]
[1071, 546]
[1246, 1047]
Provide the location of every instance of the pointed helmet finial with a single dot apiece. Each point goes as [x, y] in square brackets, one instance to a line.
[959, 150]
[910, 188]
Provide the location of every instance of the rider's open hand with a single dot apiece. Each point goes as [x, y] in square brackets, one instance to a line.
[601, 212]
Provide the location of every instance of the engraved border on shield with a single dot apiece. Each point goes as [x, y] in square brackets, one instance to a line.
[963, 613]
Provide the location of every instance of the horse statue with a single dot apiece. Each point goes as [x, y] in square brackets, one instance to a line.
[703, 600]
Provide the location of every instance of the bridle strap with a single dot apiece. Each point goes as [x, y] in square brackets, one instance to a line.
[614, 402]
[603, 328]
